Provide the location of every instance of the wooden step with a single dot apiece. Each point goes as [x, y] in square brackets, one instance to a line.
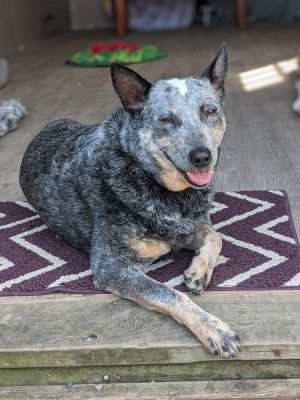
[62, 339]
[218, 390]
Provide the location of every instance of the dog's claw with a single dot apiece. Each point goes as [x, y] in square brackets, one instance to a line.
[187, 279]
[222, 340]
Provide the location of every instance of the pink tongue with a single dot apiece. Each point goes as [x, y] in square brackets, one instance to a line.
[200, 178]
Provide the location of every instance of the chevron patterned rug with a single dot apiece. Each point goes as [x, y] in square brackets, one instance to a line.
[260, 250]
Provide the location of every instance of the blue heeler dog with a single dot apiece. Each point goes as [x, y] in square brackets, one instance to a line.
[138, 186]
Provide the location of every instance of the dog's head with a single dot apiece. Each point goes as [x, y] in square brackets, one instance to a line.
[175, 127]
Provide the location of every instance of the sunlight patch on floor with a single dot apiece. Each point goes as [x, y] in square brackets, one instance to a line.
[288, 66]
[268, 75]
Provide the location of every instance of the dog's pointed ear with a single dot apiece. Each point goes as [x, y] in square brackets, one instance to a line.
[216, 71]
[130, 87]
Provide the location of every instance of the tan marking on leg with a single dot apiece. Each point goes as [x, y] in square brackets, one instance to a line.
[148, 249]
[182, 310]
[198, 275]
[215, 335]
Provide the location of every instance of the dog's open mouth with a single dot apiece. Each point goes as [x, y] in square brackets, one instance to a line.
[199, 178]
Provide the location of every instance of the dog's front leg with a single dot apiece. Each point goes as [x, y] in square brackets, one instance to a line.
[208, 244]
[130, 282]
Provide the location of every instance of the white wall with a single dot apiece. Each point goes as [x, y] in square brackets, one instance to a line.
[88, 14]
[23, 22]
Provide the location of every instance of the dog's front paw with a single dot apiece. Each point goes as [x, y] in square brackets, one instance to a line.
[195, 282]
[220, 339]
[198, 275]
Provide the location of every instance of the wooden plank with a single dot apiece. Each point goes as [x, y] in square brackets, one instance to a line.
[195, 371]
[218, 390]
[70, 330]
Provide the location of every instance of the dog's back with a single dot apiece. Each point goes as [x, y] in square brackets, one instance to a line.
[39, 155]
[42, 180]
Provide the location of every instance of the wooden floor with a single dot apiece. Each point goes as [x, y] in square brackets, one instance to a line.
[66, 339]
[262, 149]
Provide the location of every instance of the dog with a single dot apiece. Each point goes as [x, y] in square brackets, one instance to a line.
[137, 187]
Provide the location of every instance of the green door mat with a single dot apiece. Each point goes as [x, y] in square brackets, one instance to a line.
[104, 54]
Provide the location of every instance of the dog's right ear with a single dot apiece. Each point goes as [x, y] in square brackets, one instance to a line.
[216, 71]
[130, 87]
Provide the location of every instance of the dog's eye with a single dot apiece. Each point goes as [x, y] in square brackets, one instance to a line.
[166, 119]
[211, 111]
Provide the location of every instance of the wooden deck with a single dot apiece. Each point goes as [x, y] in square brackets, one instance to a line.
[99, 340]
[105, 347]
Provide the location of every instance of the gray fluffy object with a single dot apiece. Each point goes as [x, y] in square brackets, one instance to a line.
[11, 112]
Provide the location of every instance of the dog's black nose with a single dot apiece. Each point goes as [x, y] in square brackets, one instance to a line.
[200, 157]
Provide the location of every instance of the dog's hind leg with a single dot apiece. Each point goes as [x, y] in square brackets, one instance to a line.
[130, 282]
[208, 244]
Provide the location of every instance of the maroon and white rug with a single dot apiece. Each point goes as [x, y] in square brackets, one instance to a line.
[260, 250]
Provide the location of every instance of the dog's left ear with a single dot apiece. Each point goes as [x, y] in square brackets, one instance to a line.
[216, 71]
[130, 87]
